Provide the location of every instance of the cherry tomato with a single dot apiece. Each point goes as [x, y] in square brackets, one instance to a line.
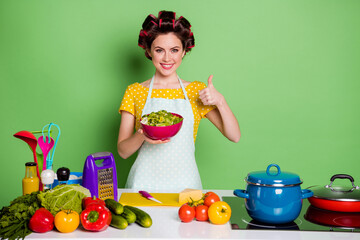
[201, 213]
[219, 212]
[67, 221]
[186, 213]
[210, 199]
[208, 193]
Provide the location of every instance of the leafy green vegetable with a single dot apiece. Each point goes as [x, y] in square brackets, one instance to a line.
[160, 118]
[14, 219]
[64, 197]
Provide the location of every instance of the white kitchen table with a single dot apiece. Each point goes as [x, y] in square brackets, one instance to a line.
[166, 225]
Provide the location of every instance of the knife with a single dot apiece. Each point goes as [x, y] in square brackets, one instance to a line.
[148, 196]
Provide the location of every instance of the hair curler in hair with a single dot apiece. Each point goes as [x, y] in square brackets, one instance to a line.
[148, 20]
[178, 21]
[153, 22]
[143, 33]
[164, 23]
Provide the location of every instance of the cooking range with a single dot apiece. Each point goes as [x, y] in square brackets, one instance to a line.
[310, 219]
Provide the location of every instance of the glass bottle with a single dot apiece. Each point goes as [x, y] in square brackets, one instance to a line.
[30, 182]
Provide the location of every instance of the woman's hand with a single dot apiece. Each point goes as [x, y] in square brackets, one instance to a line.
[152, 141]
[209, 95]
[222, 116]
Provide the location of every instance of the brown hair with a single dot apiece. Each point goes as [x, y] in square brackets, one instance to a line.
[166, 22]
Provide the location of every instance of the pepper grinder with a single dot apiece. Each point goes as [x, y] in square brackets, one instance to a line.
[63, 175]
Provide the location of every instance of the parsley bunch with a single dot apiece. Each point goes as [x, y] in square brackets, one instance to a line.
[14, 219]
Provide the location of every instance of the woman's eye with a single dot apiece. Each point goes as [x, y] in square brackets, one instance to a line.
[158, 50]
[175, 50]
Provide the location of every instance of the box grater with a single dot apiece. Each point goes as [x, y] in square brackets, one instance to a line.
[99, 175]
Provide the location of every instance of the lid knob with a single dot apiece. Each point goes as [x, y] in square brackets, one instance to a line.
[270, 166]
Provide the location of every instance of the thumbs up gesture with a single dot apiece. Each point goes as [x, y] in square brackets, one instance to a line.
[209, 95]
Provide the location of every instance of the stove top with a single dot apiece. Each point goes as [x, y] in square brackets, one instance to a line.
[310, 219]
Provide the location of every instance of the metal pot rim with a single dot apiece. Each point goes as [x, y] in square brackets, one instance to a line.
[273, 185]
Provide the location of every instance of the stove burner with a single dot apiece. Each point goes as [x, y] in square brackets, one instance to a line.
[240, 219]
[253, 224]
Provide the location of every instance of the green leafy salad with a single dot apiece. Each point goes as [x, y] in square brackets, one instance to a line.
[14, 219]
[160, 118]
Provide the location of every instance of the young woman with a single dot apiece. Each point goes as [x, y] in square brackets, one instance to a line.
[169, 165]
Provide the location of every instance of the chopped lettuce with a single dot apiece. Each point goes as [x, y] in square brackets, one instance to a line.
[64, 197]
[160, 118]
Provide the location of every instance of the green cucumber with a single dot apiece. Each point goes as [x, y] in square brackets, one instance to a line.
[114, 206]
[117, 221]
[129, 215]
[142, 218]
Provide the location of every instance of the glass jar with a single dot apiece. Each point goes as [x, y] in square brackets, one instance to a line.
[30, 182]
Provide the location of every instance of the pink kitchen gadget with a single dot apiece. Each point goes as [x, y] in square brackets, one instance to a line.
[99, 175]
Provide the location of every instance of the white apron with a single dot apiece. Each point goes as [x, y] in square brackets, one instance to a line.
[168, 167]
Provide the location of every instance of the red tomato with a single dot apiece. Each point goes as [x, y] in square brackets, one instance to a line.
[208, 193]
[201, 213]
[186, 213]
[210, 199]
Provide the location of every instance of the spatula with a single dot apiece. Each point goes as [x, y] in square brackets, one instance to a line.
[45, 147]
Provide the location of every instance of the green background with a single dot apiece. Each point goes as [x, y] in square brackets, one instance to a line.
[288, 69]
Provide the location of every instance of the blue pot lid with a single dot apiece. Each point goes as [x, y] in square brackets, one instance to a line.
[273, 178]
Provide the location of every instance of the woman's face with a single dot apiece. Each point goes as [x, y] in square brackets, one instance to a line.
[166, 53]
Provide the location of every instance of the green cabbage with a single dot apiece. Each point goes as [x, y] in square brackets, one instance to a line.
[64, 197]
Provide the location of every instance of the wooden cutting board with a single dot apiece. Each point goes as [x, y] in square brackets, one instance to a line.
[137, 200]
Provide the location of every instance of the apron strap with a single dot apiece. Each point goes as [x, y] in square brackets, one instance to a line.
[150, 89]
[152, 83]
[183, 88]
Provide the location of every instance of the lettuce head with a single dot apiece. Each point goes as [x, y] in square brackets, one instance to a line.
[64, 197]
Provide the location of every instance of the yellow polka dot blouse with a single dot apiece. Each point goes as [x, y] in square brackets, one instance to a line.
[136, 94]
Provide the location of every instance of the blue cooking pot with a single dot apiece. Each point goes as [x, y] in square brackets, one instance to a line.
[273, 197]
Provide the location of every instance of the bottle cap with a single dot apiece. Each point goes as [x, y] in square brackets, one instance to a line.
[30, 164]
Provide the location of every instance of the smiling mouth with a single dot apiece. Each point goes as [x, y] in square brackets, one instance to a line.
[166, 66]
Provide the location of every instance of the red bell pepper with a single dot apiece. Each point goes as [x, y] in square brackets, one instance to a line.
[96, 217]
[42, 221]
[88, 200]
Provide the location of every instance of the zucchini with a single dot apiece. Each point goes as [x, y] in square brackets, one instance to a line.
[114, 206]
[118, 221]
[142, 218]
[129, 215]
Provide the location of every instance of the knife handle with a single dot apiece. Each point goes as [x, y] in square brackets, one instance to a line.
[145, 194]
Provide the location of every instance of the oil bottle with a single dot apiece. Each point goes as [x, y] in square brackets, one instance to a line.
[30, 182]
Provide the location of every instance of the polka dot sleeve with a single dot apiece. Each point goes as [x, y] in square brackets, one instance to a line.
[128, 104]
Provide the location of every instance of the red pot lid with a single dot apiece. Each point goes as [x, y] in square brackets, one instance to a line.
[338, 193]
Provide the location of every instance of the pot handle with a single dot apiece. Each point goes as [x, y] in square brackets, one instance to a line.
[306, 193]
[270, 166]
[341, 176]
[241, 193]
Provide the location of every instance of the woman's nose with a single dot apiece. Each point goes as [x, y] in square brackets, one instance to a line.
[166, 56]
